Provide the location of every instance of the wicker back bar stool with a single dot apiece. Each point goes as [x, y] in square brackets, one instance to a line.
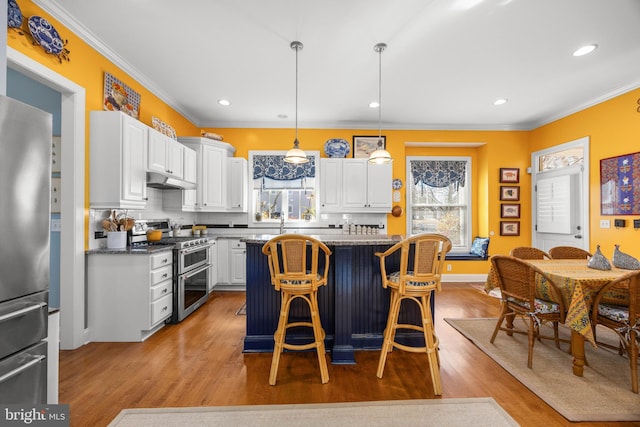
[297, 277]
[416, 285]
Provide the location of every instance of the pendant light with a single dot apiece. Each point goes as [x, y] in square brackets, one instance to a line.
[380, 155]
[296, 155]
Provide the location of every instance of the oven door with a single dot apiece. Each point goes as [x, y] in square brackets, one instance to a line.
[192, 258]
[192, 291]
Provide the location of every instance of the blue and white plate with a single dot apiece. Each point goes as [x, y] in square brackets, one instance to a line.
[44, 33]
[337, 147]
[14, 15]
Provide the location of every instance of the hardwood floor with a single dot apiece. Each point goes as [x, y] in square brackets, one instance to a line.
[199, 362]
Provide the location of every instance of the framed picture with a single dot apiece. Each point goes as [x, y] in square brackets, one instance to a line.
[509, 228]
[363, 146]
[509, 193]
[620, 184]
[510, 175]
[510, 210]
[120, 97]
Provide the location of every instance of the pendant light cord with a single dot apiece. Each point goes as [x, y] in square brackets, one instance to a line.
[297, 46]
[380, 47]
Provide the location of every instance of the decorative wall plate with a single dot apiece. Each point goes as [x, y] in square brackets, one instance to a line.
[14, 15]
[45, 35]
[163, 128]
[337, 148]
[396, 184]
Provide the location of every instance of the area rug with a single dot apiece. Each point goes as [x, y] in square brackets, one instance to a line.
[478, 412]
[602, 394]
[242, 311]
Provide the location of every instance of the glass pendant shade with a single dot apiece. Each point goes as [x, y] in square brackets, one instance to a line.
[296, 154]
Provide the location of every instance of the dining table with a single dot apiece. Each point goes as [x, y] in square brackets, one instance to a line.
[578, 285]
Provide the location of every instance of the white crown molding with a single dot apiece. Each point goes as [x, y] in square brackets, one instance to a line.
[445, 144]
[92, 40]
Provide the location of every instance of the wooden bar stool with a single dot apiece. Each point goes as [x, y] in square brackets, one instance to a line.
[296, 277]
[415, 285]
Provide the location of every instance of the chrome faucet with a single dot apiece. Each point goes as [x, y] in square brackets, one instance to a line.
[281, 222]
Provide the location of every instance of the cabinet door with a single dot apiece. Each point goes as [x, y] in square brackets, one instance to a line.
[175, 159]
[237, 184]
[190, 165]
[354, 183]
[157, 152]
[213, 190]
[223, 261]
[134, 160]
[238, 255]
[379, 189]
[331, 185]
[213, 256]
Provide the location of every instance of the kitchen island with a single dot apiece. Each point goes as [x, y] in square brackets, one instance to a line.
[353, 305]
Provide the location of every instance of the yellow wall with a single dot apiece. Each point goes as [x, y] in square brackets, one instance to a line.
[613, 128]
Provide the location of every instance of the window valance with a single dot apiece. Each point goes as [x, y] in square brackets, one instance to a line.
[439, 173]
[274, 167]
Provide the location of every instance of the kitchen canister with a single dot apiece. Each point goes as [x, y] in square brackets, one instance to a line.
[117, 239]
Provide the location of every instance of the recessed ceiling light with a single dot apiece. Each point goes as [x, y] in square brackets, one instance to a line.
[283, 116]
[374, 104]
[500, 101]
[584, 50]
[224, 102]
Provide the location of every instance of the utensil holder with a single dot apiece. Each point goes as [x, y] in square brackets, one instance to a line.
[117, 239]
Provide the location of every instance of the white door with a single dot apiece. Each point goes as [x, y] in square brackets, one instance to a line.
[560, 205]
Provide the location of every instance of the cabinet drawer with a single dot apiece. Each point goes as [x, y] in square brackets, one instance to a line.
[236, 244]
[161, 290]
[161, 309]
[161, 274]
[161, 259]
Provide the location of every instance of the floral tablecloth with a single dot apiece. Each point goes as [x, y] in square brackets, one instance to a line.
[578, 285]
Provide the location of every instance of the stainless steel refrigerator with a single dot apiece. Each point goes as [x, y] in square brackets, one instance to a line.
[25, 182]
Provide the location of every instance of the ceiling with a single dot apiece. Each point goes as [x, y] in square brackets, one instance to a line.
[447, 61]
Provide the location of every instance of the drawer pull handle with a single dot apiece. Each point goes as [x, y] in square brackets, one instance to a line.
[164, 308]
[164, 291]
[21, 312]
[165, 260]
[164, 275]
[34, 361]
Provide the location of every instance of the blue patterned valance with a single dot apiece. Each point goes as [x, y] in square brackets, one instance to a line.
[274, 167]
[439, 173]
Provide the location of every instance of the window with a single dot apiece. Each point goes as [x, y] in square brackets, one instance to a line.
[439, 198]
[282, 190]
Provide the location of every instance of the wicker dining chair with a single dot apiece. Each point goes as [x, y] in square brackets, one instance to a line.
[294, 276]
[623, 320]
[417, 285]
[568, 252]
[527, 252]
[517, 282]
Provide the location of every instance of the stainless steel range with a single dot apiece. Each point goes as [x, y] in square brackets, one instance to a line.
[191, 265]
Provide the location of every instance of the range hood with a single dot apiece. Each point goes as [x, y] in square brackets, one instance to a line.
[158, 180]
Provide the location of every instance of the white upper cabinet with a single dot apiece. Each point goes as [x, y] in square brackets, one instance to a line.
[211, 173]
[166, 156]
[118, 156]
[237, 186]
[355, 185]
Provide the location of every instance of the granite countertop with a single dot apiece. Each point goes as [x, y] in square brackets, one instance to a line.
[338, 239]
[129, 251]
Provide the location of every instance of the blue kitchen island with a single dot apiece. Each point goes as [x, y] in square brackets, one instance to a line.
[353, 305]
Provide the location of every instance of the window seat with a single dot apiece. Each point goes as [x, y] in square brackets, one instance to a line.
[465, 257]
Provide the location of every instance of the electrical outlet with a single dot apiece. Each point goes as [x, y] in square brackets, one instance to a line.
[605, 223]
[100, 235]
[619, 223]
[448, 267]
[636, 223]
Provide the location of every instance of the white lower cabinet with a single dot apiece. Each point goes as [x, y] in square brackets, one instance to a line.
[232, 260]
[213, 256]
[129, 296]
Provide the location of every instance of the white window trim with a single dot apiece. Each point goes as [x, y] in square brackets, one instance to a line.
[469, 184]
